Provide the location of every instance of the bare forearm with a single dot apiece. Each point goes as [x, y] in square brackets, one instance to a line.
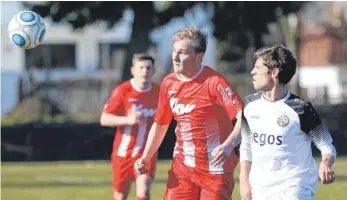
[111, 120]
[245, 168]
[155, 138]
[234, 138]
[328, 159]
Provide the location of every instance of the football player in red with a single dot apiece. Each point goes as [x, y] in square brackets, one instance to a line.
[204, 104]
[131, 108]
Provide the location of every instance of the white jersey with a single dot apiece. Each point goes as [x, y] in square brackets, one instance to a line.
[276, 138]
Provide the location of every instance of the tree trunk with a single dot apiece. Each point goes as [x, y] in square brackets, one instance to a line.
[258, 42]
[139, 41]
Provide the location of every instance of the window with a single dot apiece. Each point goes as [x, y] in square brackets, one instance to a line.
[51, 56]
[112, 56]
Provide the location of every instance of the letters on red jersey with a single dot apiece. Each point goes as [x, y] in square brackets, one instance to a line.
[125, 98]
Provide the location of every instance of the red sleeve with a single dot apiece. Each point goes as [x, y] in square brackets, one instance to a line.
[164, 114]
[114, 104]
[224, 95]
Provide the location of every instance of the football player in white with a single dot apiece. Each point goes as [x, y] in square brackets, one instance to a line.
[277, 130]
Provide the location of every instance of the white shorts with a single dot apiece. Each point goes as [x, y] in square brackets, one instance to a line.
[292, 193]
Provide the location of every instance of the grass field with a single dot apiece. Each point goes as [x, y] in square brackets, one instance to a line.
[92, 181]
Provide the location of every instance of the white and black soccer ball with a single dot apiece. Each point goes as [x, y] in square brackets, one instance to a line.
[27, 29]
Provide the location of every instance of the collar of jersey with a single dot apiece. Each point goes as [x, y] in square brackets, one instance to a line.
[133, 85]
[280, 100]
[193, 77]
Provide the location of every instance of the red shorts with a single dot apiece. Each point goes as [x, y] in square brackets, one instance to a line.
[185, 183]
[124, 173]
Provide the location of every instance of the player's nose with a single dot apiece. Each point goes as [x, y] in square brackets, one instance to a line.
[175, 56]
[253, 72]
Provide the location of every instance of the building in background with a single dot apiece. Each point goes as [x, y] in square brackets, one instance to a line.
[323, 52]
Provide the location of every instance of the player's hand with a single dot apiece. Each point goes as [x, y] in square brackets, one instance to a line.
[141, 166]
[326, 173]
[245, 190]
[134, 118]
[220, 154]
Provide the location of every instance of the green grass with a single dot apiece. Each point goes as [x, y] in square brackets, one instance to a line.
[92, 181]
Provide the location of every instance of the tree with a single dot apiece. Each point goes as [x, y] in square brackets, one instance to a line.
[146, 17]
[232, 20]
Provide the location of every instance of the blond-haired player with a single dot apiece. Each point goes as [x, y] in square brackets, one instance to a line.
[204, 104]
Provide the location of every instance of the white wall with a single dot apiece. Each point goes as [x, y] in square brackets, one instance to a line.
[329, 76]
[12, 58]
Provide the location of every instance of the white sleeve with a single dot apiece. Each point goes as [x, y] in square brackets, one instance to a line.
[315, 129]
[245, 147]
[320, 136]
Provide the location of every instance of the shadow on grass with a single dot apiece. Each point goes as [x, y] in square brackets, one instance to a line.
[338, 180]
[63, 184]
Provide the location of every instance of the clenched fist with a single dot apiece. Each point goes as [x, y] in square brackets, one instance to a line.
[135, 118]
[141, 166]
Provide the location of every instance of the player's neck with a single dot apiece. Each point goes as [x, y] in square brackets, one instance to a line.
[189, 74]
[142, 85]
[276, 93]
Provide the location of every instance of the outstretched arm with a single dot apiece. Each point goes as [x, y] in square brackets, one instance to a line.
[155, 138]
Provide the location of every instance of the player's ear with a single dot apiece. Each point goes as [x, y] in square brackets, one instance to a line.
[275, 72]
[201, 56]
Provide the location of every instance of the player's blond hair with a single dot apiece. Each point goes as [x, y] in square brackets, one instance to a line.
[197, 36]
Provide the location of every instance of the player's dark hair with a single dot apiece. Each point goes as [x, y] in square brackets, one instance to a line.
[142, 56]
[278, 56]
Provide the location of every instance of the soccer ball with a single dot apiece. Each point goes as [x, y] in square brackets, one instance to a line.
[27, 29]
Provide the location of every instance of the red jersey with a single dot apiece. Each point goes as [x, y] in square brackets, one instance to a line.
[204, 107]
[130, 141]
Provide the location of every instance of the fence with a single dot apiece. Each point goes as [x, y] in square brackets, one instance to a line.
[90, 141]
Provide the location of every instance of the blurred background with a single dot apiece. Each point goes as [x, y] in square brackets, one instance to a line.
[52, 146]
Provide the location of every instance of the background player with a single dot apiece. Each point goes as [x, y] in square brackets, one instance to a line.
[277, 130]
[204, 104]
[131, 107]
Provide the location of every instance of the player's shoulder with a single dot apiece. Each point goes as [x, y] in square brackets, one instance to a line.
[252, 98]
[171, 76]
[212, 75]
[169, 79]
[211, 72]
[126, 83]
[297, 103]
[124, 86]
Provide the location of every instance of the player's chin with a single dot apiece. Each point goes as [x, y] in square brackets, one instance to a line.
[146, 79]
[177, 68]
[255, 86]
